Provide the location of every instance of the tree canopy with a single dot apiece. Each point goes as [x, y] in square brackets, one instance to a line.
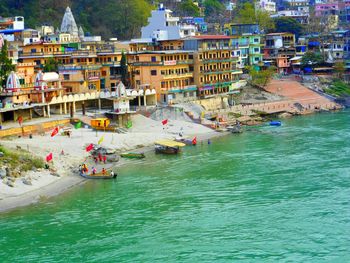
[286, 24]
[213, 7]
[108, 18]
[188, 8]
[311, 59]
[51, 65]
[247, 14]
[260, 78]
[6, 65]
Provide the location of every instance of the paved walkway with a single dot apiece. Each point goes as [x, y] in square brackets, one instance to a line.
[293, 93]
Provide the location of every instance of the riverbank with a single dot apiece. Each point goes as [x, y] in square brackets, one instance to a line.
[46, 184]
[68, 153]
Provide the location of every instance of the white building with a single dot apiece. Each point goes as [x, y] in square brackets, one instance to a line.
[267, 5]
[163, 26]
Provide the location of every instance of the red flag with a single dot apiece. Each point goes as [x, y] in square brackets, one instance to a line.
[54, 132]
[89, 147]
[194, 141]
[164, 121]
[49, 157]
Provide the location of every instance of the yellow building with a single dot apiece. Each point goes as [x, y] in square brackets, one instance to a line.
[215, 64]
[169, 72]
[95, 65]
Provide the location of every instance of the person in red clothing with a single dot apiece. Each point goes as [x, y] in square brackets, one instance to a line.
[104, 158]
[100, 157]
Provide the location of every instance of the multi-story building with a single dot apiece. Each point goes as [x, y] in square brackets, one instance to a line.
[294, 4]
[246, 38]
[301, 16]
[169, 72]
[266, 5]
[163, 26]
[215, 69]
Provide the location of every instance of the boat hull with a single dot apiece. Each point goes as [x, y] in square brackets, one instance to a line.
[98, 176]
[167, 150]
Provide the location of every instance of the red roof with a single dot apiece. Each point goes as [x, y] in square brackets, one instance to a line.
[212, 37]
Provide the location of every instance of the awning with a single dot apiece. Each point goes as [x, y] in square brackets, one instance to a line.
[170, 143]
[295, 58]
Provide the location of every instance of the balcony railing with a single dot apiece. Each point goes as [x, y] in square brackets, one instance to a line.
[216, 60]
[218, 83]
[221, 71]
[80, 67]
[174, 76]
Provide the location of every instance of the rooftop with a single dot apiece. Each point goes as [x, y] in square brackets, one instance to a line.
[212, 37]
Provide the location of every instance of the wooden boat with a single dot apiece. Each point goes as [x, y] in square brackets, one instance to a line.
[235, 129]
[133, 155]
[168, 146]
[100, 175]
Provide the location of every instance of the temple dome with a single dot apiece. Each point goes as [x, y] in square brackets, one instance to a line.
[12, 83]
[81, 33]
[68, 23]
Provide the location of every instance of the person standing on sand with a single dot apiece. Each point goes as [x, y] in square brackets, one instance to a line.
[104, 159]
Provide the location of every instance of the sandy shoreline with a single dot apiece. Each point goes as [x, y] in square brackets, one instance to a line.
[47, 185]
[140, 138]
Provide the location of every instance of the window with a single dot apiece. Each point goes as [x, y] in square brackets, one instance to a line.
[153, 72]
[66, 76]
[256, 50]
[153, 59]
[256, 40]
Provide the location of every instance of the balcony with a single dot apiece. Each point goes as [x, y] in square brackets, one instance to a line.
[218, 84]
[80, 67]
[179, 89]
[162, 63]
[177, 76]
[221, 71]
[146, 63]
[43, 54]
[111, 64]
[217, 48]
[184, 62]
[217, 60]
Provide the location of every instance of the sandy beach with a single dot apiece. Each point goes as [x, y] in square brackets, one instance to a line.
[141, 136]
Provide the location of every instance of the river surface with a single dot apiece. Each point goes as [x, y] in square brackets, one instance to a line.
[271, 194]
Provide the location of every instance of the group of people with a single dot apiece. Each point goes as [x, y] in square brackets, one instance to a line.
[100, 158]
[84, 169]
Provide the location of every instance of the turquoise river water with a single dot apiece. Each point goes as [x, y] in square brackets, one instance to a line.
[271, 194]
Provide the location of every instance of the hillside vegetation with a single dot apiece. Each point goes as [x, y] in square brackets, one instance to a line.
[108, 18]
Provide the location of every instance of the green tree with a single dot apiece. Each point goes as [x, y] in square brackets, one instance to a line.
[261, 78]
[124, 68]
[6, 65]
[213, 8]
[311, 59]
[339, 69]
[286, 24]
[188, 8]
[247, 14]
[51, 65]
